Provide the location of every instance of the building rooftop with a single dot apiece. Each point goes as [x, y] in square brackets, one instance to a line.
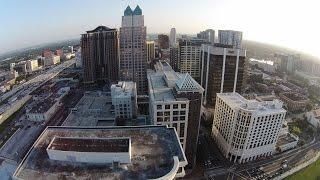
[286, 138]
[164, 80]
[101, 29]
[238, 101]
[92, 108]
[295, 96]
[123, 89]
[43, 106]
[155, 152]
[316, 113]
[90, 144]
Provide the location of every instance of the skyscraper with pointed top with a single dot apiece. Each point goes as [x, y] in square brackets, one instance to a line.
[133, 49]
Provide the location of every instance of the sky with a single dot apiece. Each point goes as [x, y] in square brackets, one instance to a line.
[289, 23]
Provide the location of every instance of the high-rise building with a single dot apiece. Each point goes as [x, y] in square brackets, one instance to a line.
[150, 50]
[124, 99]
[163, 41]
[133, 49]
[246, 129]
[99, 53]
[288, 62]
[230, 38]
[174, 58]
[222, 71]
[190, 57]
[175, 100]
[207, 35]
[172, 37]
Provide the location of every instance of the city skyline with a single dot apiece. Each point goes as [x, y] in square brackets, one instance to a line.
[44, 22]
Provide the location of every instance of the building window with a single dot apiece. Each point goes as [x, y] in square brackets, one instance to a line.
[183, 106]
[175, 112]
[167, 106]
[182, 112]
[159, 106]
[181, 134]
[175, 126]
[175, 106]
[175, 118]
[182, 118]
[159, 113]
[159, 119]
[167, 113]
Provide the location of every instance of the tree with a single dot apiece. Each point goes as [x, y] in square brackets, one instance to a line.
[296, 130]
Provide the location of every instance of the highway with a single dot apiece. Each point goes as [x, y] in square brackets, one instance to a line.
[29, 86]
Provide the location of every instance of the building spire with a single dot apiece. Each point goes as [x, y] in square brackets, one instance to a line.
[128, 11]
[137, 10]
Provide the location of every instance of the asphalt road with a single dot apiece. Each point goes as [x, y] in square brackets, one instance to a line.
[270, 166]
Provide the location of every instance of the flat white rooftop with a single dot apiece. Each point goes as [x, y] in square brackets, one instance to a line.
[237, 101]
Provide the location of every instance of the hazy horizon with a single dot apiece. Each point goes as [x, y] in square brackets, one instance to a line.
[282, 23]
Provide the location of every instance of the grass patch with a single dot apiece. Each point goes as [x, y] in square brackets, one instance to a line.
[309, 173]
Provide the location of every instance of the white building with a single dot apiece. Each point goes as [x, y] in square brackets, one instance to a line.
[32, 65]
[103, 150]
[172, 37]
[124, 99]
[313, 117]
[246, 129]
[230, 38]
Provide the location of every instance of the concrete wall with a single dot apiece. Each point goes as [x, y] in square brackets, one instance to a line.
[89, 157]
[14, 107]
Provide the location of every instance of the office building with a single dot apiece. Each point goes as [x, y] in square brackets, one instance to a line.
[150, 51]
[175, 100]
[163, 41]
[246, 129]
[99, 53]
[124, 99]
[230, 38]
[207, 35]
[174, 58]
[190, 57]
[145, 152]
[222, 71]
[133, 49]
[173, 38]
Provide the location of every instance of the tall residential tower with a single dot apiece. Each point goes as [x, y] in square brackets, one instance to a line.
[133, 49]
[172, 38]
[99, 52]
